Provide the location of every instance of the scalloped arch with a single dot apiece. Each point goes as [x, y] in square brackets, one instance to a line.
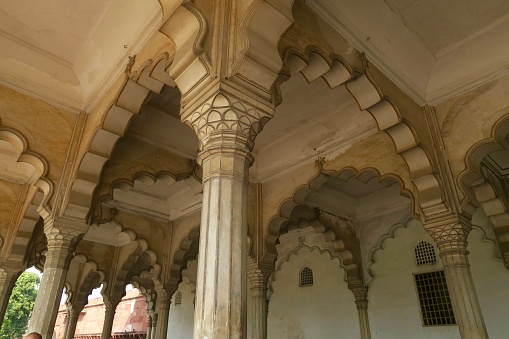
[314, 64]
[188, 250]
[152, 77]
[21, 165]
[479, 189]
[294, 253]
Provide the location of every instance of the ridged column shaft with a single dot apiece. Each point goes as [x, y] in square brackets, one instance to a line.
[154, 326]
[360, 293]
[226, 127]
[149, 326]
[163, 311]
[60, 247]
[258, 280]
[109, 317]
[72, 321]
[7, 280]
[451, 239]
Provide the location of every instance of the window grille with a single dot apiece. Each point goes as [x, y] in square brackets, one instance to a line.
[436, 307]
[424, 254]
[178, 298]
[306, 277]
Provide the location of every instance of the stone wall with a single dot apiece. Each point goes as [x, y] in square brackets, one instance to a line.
[130, 316]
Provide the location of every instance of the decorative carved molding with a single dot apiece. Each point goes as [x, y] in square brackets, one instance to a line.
[314, 64]
[188, 250]
[450, 234]
[151, 78]
[480, 185]
[225, 114]
[297, 204]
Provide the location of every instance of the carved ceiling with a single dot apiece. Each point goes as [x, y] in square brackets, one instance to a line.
[66, 51]
[432, 49]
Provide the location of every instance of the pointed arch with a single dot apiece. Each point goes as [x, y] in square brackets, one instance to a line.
[313, 63]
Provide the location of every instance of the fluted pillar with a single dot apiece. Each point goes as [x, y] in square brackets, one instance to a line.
[8, 277]
[61, 243]
[149, 325]
[451, 239]
[258, 279]
[163, 302]
[110, 306]
[226, 127]
[361, 301]
[155, 316]
[72, 321]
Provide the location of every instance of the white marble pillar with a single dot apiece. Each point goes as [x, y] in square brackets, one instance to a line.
[155, 316]
[163, 302]
[361, 301]
[72, 321]
[149, 326]
[258, 280]
[8, 278]
[226, 128]
[61, 244]
[451, 239]
[110, 306]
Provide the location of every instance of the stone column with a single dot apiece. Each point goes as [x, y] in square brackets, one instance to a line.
[361, 300]
[149, 326]
[61, 243]
[258, 280]
[226, 127]
[8, 277]
[72, 321]
[110, 305]
[451, 239]
[154, 326]
[163, 311]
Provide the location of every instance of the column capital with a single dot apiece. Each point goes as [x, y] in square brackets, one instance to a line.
[61, 244]
[450, 234]
[361, 296]
[258, 277]
[227, 122]
[163, 299]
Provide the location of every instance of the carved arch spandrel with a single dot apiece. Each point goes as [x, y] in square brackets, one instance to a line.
[288, 257]
[191, 176]
[20, 165]
[187, 250]
[295, 213]
[313, 64]
[482, 189]
[151, 78]
[83, 276]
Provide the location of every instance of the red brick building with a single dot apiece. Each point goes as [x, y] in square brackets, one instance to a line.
[130, 318]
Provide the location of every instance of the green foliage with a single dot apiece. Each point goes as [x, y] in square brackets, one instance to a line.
[20, 305]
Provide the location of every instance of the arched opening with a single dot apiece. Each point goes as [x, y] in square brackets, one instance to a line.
[21, 299]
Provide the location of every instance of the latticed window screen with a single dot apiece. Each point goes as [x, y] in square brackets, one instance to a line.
[436, 307]
[178, 298]
[306, 277]
[424, 254]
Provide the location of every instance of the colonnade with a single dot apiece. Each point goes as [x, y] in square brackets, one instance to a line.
[227, 122]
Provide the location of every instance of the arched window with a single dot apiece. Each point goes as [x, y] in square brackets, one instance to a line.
[178, 298]
[424, 254]
[306, 277]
